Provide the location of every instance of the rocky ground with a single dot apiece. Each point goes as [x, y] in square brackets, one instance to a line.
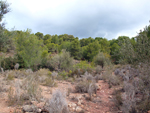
[102, 102]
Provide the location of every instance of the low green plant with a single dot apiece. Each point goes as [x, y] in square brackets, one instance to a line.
[64, 74]
[10, 77]
[82, 65]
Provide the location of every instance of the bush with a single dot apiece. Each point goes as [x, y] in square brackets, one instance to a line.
[110, 78]
[81, 67]
[61, 61]
[101, 59]
[58, 103]
[31, 88]
[49, 82]
[118, 99]
[8, 63]
[92, 90]
[63, 74]
[98, 69]
[82, 87]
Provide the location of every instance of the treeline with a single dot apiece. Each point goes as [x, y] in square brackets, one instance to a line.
[32, 47]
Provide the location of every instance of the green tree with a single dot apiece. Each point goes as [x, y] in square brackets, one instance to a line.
[55, 39]
[46, 37]
[4, 9]
[105, 45]
[52, 47]
[115, 52]
[126, 51]
[39, 35]
[65, 45]
[75, 48]
[91, 50]
[29, 48]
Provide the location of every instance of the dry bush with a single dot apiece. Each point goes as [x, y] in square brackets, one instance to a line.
[54, 75]
[2, 86]
[82, 87]
[58, 103]
[43, 71]
[62, 61]
[117, 71]
[31, 88]
[92, 90]
[27, 90]
[98, 77]
[49, 82]
[69, 90]
[110, 78]
[86, 87]
[87, 77]
[15, 94]
[9, 77]
[98, 69]
[118, 98]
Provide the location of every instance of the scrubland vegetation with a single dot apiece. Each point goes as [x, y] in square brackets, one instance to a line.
[124, 63]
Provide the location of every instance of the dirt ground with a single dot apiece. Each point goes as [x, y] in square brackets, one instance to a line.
[100, 103]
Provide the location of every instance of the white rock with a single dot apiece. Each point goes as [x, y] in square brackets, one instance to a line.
[78, 109]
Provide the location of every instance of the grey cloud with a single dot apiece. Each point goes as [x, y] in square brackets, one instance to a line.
[99, 18]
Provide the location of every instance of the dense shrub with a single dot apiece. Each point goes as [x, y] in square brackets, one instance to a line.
[61, 61]
[8, 63]
[101, 59]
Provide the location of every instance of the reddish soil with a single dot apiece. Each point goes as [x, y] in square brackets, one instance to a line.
[102, 103]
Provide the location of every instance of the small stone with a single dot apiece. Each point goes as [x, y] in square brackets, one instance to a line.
[79, 103]
[94, 95]
[34, 102]
[87, 109]
[82, 106]
[73, 109]
[69, 105]
[29, 108]
[74, 105]
[110, 97]
[79, 109]
[39, 110]
[40, 105]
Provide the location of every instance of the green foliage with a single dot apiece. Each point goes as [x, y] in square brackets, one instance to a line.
[61, 61]
[8, 63]
[52, 47]
[39, 35]
[75, 48]
[4, 39]
[82, 65]
[126, 51]
[2, 56]
[102, 59]
[115, 52]
[29, 48]
[55, 39]
[65, 45]
[143, 45]
[105, 45]
[91, 50]
[64, 74]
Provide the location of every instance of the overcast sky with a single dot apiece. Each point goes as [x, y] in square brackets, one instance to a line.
[81, 18]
